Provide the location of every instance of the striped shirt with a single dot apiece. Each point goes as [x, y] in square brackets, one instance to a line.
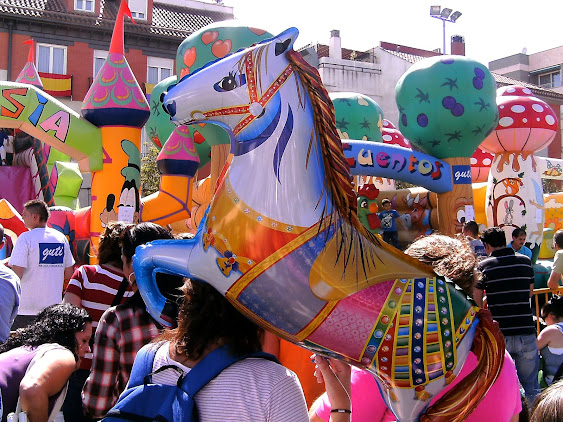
[96, 286]
[507, 277]
[250, 390]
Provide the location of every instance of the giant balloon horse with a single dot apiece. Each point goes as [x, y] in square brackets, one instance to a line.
[283, 242]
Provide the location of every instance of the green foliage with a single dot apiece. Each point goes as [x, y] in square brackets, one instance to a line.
[399, 184]
[150, 177]
[551, 186]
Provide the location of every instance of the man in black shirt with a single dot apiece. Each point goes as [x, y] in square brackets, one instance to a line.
[508, 280]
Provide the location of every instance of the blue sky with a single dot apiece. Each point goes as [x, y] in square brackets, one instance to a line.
[492, 29]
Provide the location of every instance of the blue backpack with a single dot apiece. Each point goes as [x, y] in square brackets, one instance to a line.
[145, 401]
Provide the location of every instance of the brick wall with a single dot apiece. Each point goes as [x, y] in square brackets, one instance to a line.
[19, 53]
[80, 64]
[3, 50]
[138, 64]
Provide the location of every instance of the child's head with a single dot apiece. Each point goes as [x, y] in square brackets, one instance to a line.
[386, 204]
[548, 406]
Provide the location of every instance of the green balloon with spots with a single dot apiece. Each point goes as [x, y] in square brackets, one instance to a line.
[206, 45]
[214, 42]
[447, 105]
[158, 126]
[358, 117]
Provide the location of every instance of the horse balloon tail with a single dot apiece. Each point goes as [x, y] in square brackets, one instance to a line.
[457, 404]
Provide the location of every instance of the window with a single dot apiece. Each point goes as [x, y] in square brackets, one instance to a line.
[100, 57]
[158, 69]
[550, 80]
[51, 59]
[86, 5]
[138, 9]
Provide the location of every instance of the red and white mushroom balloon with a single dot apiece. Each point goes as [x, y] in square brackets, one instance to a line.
[526, 123]
[480, 165]
[514, 190]
[391, 135]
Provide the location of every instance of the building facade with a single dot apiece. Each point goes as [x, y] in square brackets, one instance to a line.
[72, 39]
[375, 73]
[542, 69]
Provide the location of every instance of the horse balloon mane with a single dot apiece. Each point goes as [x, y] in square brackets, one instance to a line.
[282, 241]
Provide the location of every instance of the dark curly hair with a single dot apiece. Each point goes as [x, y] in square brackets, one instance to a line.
[136, 235]
[207, 318]
[451, 257]
[109, 249]
[494, 237]
[553, 306]
[55, 324]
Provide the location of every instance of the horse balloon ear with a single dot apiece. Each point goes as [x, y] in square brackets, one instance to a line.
[281, 47]
[285, 40]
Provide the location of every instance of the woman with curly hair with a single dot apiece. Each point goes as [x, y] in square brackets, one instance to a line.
[550, 340]
[37, 361]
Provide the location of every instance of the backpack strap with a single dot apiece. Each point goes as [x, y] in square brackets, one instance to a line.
[143, 364]
[121, 292]
[212, 365]
[558, 374]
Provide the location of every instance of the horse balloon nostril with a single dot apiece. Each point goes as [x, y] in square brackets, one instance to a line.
[162, 96]
[170, 108]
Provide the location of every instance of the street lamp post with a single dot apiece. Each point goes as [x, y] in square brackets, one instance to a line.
[445, 15]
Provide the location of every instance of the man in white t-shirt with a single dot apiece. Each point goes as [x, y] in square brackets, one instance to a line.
[43, 260]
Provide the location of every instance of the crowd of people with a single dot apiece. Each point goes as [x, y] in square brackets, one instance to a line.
[74, 351]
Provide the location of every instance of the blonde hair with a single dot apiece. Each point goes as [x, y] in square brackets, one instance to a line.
[548, 406]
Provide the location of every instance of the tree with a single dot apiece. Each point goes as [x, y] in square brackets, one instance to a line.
[150, 177]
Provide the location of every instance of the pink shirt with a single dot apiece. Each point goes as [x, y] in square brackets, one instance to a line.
[499, 405]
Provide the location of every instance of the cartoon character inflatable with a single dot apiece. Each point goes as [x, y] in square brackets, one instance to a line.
[368, 207]
[283, 242]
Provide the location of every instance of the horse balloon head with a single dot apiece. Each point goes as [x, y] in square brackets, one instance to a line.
[233, 91]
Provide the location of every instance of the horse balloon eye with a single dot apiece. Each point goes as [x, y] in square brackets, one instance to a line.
[170, 108]
[228, 83]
